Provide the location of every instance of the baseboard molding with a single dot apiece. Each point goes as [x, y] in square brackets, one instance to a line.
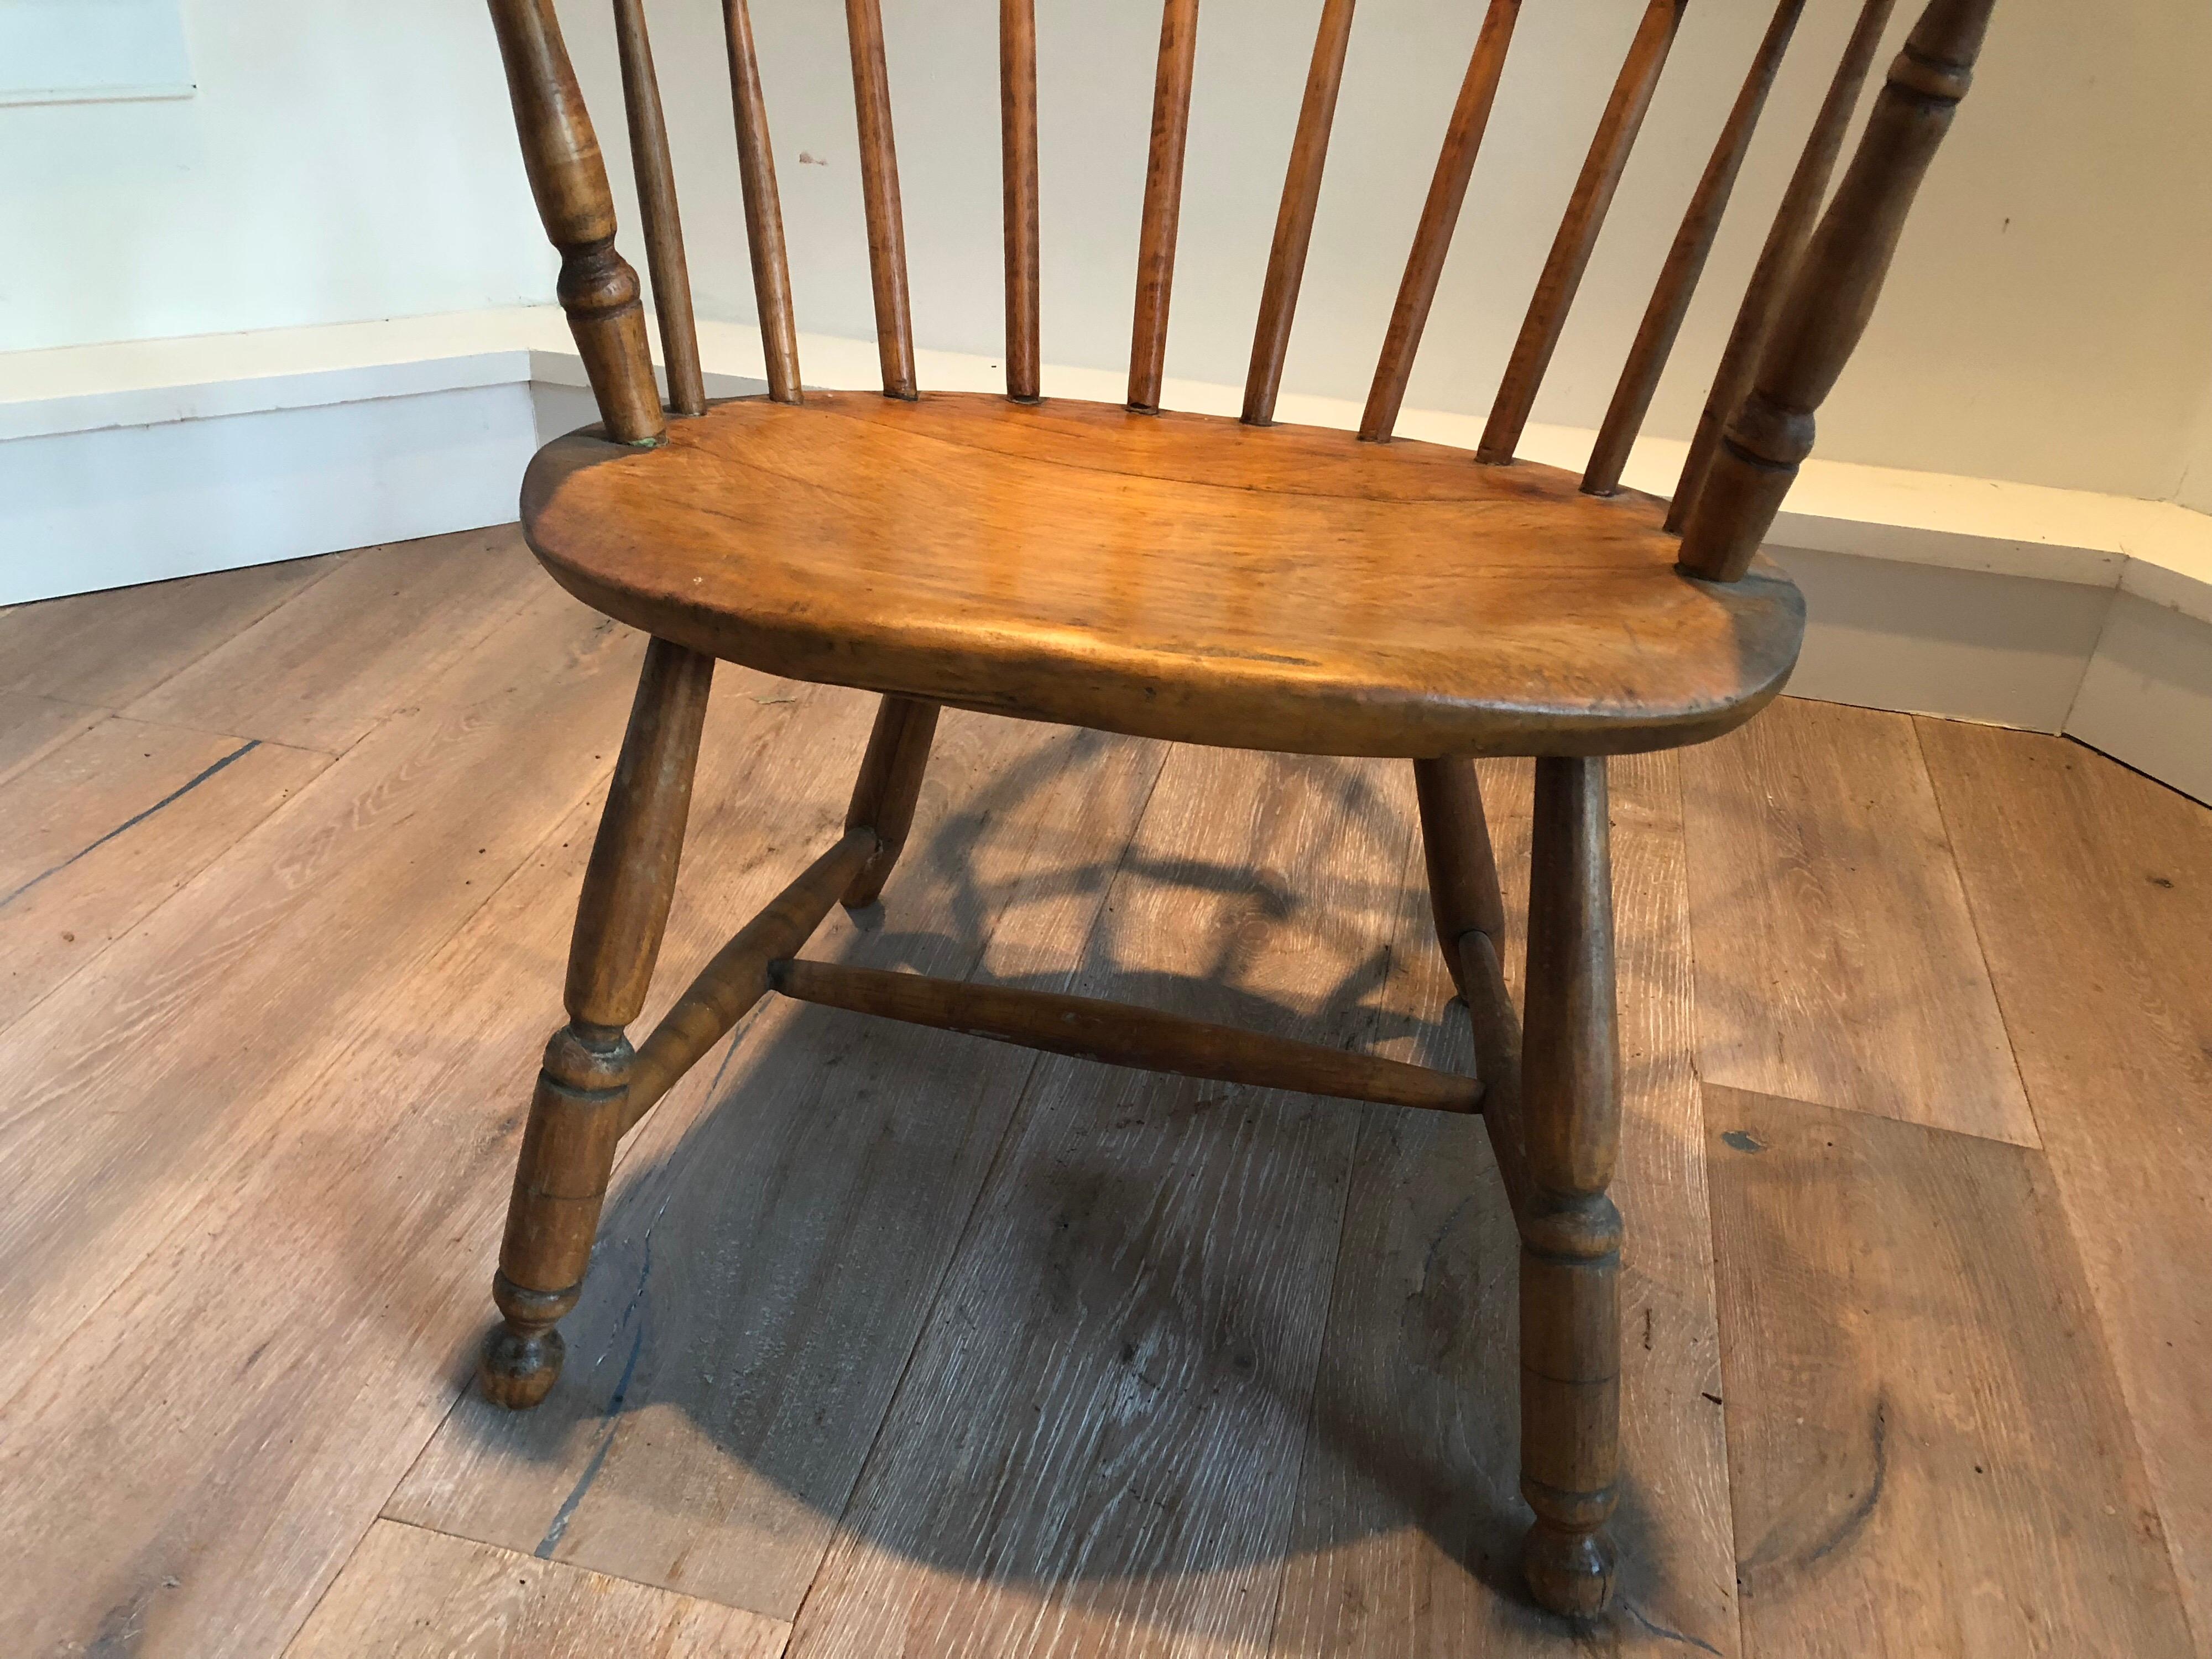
[2053, 611]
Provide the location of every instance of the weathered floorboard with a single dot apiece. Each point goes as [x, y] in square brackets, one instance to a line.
[1837, 960]
[408, 1594]
[1929, 1454]
[2091, 886]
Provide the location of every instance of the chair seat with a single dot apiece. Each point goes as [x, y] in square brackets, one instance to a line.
[1168, 575]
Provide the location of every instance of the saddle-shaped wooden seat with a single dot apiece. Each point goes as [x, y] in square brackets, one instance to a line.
[1176, 576]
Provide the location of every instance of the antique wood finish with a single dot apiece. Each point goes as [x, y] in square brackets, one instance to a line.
[1777, 258]
[561, 153]
[656, 199]
[1155, 243]
[1235, 585]
[1585, 217]
[889, 784]
[1118, 1034]
[1018, 123]
[1424, 266]
[1686, 261]
[1834, 292]
[1462, 871]
[576, 1114]
[1294, 221]
[1165, 575]
[779, 328]
[1570, 1230]
[879, 191]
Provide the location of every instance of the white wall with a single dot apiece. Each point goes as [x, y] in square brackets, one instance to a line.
[2050, 318]
[340, 162]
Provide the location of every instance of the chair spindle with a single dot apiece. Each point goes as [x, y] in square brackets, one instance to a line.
[656, 201]
[764, 210]
[569, 180]
[1833, 292]
[1686, 261]
[1156, 245]
[1439, 218]
[1018, 126]
[879, 191]
[1294, 221]
[1578, 230]
[1777, 258]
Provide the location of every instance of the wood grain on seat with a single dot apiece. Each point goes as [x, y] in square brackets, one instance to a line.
[1175, 576]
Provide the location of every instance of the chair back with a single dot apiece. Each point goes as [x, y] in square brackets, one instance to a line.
[1808, 301]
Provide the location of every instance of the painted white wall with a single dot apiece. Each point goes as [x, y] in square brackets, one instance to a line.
[338, 163]
[2050, 318]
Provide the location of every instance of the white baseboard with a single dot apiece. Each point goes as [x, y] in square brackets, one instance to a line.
[2055, 611]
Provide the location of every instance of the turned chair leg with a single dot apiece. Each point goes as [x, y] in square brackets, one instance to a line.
[889, 784]
[1570, 1230]
[1462, 872]
[577, 1115]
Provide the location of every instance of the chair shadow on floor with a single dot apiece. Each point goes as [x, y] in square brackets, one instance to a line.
[1045, 1325]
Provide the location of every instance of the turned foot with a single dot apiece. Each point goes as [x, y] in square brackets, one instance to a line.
[522, 1354]
[1568, 1572]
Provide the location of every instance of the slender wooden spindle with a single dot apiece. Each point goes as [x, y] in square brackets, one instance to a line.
[1777, 258]
[1570, 1230]
[1578, 230]
[1294, 221]
[1439, 218]
[568, 178]
[1017, 124]
[1686, 261]
[656, 201]
[879, 194]
[889, 785]
[579, 1111]
[764, 210]
[1834, 292]
[1155, 243]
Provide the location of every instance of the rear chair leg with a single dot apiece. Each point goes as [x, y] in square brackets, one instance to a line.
[576, 1115]
[889, 784]
[1570, 1230]
[1462, 873]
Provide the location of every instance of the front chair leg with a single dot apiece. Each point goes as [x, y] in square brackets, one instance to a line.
[889, 784]
[576, 1117]
[1570, 1230]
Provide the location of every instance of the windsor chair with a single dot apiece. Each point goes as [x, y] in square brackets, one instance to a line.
[1178, 576]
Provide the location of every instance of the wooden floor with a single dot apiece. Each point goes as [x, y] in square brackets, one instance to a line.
[900, 1343]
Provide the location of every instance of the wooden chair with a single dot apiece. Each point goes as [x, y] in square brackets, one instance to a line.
[1192, 578]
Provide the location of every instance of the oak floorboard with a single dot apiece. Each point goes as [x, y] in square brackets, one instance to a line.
[759, 1286]
[320, 670]
[1095, 1447]
[254, 1391]
[31, 727]
[1837, 961]
[1928, 1451]
[408, 1594]
[170, 1060]
[2092, 886]
[1410, 1516]
[104, 829]
[110, 647]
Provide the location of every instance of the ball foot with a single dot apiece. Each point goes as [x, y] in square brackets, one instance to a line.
[517, 1369]
[1569, 1573]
